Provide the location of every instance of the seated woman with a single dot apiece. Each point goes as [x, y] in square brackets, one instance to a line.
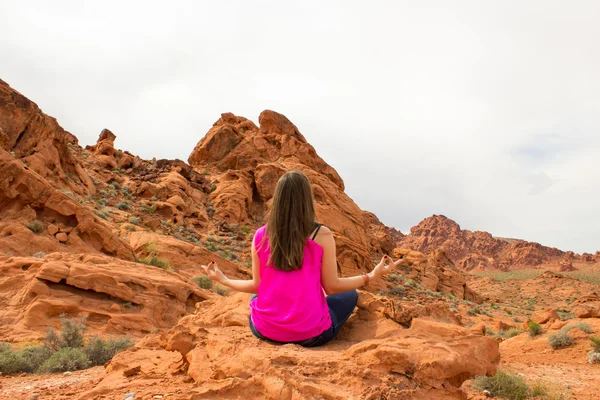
[293, 264]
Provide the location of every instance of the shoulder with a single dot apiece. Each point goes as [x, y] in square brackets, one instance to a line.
[259, 234]
[324, 235]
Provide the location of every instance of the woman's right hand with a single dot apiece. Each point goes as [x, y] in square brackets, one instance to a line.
[384, 266]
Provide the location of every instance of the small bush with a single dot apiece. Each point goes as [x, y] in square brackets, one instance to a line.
[39, 254]
[124, 206]
[245, 228]
[203, 281]
[582, 326]
[116, 185]
[512, 332]
[411, 283]
[157, 262]
[67, 359]
[101, 214]
[71, 335]
[560, 340]
[10, 361]
[102, 202]
[392, 277]
[221, 290]
[134, 220]
[130, 228]
[565, 315]
[148, 209]
[35, 226]
[397, 291]
[534, 328]
[504, 386]
[99, 351]
[213, 187]
[595, 343]
[34, 357]
[593, 357]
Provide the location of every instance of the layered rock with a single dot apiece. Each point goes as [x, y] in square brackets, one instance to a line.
[436, 272]
[373, 358]
[250, 160]
[117, 296]
[477, 250]
[40, 142]
[26, 197]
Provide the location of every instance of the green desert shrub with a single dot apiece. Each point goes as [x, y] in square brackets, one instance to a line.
[397, 290]
[504, 386]
[10, 361]
[221, 290]
[124, 206]
[582, 326]
[157, 262]
[100, 351]
[34, 357]
[203, 281]
[411, 283]
[595, 343]
[71, 335]
[64, 351]
[66, 359]
[35, 226]
[512, 332]
[593, 357]
[148, 209]
[134, 220]
[534, 328]
[560, 340]
[565, 315]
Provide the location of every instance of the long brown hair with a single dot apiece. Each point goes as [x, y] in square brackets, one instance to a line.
[291, 220]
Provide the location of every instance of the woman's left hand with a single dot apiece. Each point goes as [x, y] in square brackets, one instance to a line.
[213, 272]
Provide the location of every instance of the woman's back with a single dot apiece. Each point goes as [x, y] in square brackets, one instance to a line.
[291, 305]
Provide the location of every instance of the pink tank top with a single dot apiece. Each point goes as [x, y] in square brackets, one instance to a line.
[290, 305]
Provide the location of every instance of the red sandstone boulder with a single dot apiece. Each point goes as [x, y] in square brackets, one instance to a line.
[545, 316]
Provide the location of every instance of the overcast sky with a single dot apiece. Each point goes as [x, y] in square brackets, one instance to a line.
[485, 111]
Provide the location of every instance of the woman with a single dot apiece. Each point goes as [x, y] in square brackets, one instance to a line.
[293, 262]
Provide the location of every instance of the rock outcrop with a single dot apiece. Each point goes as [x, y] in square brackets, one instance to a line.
[118, 297]
[27, 198]
[40, 142]
[477, 250]
[374, 358]
[250, 160]
[436, 272]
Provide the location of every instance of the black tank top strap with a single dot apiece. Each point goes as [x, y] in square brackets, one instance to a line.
[317, 227]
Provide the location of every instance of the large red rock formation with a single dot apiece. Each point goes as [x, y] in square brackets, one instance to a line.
[250, 160]
[374, 358]
[117, 296]
[39, 141]
[476, 250]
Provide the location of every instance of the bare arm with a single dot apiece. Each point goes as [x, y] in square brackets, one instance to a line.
[240, 285]
[333, 284]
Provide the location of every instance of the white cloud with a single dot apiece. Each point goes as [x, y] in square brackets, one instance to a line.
[485, 112]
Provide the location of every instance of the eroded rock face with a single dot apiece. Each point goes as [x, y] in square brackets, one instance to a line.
[476, 250]
[436, 272]
[26, 196]
[39, 141]
[250, 161]
[119, 297]
[373, 357]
